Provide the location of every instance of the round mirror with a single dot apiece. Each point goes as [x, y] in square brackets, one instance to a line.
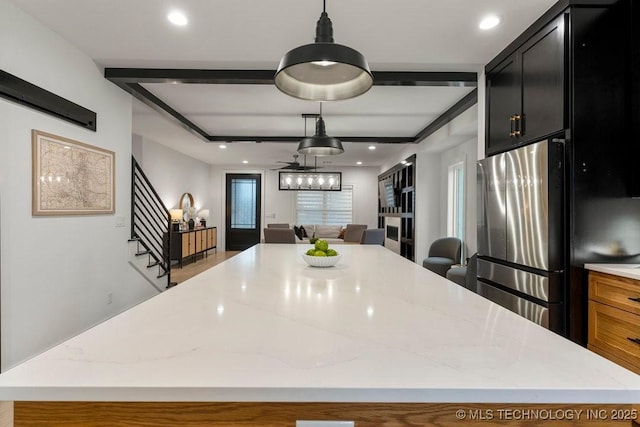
[186, 203]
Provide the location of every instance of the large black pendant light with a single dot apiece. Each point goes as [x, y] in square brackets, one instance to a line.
[324, 70]
[320, 144]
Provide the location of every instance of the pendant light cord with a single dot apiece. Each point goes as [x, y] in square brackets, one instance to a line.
[324, 5]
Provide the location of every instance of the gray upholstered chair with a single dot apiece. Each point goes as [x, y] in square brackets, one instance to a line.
[471, 279]
[443, 253]
[465, 275]
[457, 275]
[277, 225]
[353, 232]
[279, 235]
[372, 236]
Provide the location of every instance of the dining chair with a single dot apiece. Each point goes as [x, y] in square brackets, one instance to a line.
[279, 235]
[353, 232]
[373, 236]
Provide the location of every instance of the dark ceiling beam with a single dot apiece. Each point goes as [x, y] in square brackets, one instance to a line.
[369, 139]
[458, 108]
[189, 76]
[131, 80]
[264, 77]
[163, 108]
[420, 78]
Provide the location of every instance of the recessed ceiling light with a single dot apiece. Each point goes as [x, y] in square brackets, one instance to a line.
[358, 163]
[372, 147]
[222, 146]
[177, 18]
[245, 161]
[489, 22]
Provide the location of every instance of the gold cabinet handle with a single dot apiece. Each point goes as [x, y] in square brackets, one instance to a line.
[518, 125]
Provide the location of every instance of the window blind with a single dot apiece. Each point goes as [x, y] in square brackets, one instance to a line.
[325, 207]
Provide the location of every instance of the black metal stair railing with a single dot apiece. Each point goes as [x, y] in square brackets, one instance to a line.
[150, 223]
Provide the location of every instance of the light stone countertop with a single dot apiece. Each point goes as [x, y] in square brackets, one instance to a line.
[630, 271]
[263, 327]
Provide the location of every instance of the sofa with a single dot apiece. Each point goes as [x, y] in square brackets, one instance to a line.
[330, 233]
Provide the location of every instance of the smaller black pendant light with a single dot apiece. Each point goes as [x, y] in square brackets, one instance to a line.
[324, 70]
[320, 144]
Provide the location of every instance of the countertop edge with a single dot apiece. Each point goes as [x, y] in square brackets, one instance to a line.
[630, 271]
[329, 395]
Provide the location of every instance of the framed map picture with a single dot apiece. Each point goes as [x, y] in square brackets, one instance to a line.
[70, 177]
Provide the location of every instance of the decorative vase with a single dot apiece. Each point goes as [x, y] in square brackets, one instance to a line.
[192, 224]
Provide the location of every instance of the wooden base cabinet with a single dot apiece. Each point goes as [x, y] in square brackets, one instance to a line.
[188, 244]
[614, 319]
[285, 414]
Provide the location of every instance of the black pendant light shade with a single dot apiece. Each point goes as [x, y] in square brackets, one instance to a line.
[320, 144]
[324, 70]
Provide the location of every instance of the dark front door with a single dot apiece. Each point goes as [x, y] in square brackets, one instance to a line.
[243, 199]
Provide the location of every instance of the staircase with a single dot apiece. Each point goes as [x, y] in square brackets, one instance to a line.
[150, 224]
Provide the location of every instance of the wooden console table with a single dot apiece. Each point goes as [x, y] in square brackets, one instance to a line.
[190, 243]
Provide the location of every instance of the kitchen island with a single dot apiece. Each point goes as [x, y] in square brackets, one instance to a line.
[265, 339]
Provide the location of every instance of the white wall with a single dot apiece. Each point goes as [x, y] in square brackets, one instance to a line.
[465, 152]
[278, 206]
[56, 272]
[459, 138]
[429, 210]
[172, 174]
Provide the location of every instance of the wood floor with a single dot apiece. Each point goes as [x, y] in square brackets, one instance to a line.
[190, 269]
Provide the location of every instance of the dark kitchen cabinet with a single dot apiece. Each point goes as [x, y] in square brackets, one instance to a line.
[526, 91]
[502, 102]
[571, 76]
[634, 91]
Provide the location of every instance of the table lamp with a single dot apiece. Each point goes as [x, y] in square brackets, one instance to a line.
[176, 217]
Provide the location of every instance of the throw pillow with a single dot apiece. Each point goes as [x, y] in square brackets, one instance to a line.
[304, 232]
[341, 235]
[298, 232]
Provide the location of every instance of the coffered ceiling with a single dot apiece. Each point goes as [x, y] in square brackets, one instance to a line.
[423, 54]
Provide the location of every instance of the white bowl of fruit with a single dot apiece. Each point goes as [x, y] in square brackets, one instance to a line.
[321, 255]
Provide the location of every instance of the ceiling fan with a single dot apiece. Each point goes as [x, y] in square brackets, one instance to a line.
[295, 165]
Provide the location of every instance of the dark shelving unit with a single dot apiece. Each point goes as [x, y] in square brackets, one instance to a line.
[403, 176]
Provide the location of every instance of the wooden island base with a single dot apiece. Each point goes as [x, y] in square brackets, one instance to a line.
[115, 414]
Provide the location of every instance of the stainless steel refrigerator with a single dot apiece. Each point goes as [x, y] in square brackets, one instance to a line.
[522, 257]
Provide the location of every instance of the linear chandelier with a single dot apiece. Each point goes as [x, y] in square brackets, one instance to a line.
[310, 181]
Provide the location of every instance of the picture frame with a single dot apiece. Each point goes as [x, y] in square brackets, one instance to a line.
[70, 177]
